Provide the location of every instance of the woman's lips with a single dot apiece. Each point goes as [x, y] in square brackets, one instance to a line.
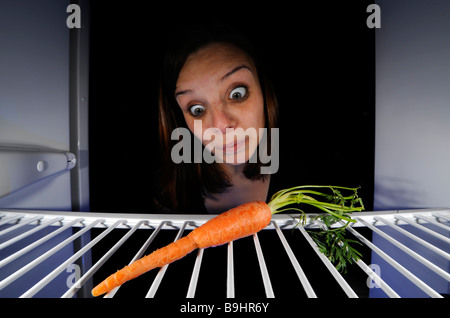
[233, 147]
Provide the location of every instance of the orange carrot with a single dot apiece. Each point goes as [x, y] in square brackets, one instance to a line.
[236, 223]
[241, 221]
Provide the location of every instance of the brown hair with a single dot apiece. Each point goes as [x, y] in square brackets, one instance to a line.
[182, 185]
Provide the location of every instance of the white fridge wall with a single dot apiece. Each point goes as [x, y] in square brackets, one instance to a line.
[34, 112]
[34, 92]
[412, 149]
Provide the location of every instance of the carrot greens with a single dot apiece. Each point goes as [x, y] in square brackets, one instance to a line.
[338, 203]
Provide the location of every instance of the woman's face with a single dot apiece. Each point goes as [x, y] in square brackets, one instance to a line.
[218, 86]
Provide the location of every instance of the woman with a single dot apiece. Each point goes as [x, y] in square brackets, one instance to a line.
[211, 78]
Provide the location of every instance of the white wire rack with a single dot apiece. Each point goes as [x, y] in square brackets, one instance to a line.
[282, 259]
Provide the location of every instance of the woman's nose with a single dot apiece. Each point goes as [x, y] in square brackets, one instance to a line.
[222, 120]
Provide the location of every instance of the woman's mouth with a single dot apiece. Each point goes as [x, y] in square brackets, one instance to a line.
[233, 147]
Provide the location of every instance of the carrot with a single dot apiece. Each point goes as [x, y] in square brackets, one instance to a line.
[239, 222]
[236, 223]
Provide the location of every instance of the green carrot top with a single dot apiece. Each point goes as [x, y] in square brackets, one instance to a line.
[337, 206]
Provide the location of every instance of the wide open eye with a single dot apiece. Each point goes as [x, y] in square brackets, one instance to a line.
[197, 110]
[238, 93]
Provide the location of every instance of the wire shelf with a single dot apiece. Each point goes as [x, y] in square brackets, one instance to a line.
[64, 254]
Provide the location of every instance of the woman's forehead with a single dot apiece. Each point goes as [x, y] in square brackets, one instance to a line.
[215, 59]
[219, 49]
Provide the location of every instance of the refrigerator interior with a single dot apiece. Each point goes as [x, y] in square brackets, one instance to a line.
[77, 139]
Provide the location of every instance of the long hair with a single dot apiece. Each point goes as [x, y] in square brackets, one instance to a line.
[182, 185]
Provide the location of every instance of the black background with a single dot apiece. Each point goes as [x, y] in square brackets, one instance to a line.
[320, 57]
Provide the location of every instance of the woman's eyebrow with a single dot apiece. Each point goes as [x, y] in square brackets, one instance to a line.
[182, 92]
[234, 70]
